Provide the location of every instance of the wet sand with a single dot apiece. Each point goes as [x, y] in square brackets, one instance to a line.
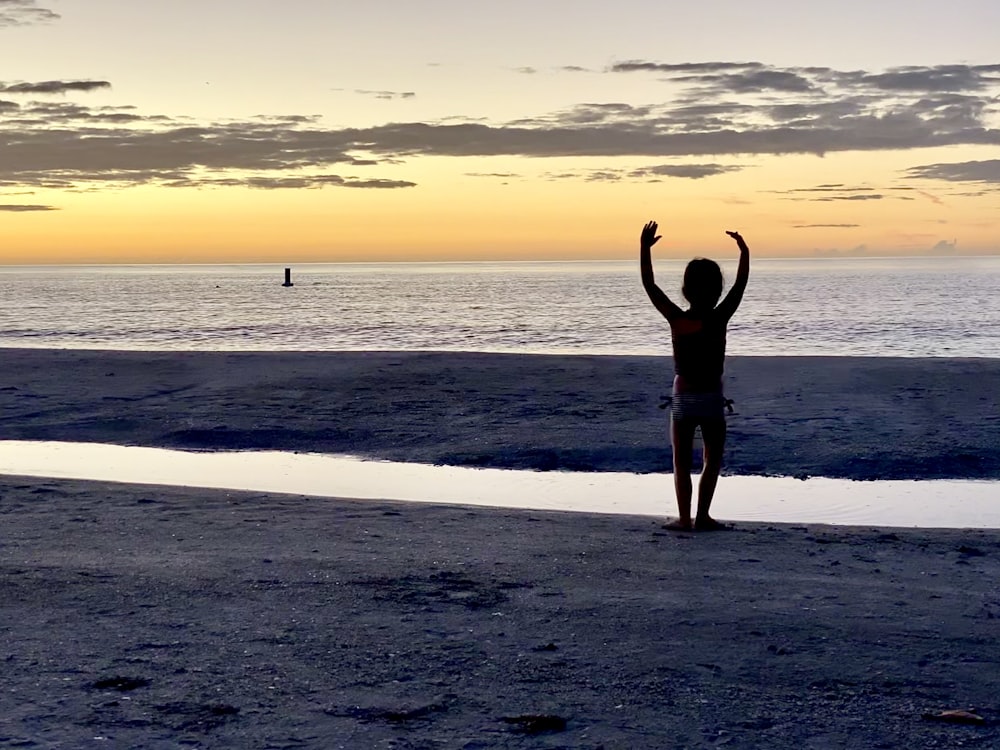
[846, 417]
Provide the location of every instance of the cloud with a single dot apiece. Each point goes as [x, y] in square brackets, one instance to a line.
[25, 208]
[750, 81]
[937, 78]
[645, 137]
[756, 76]
[632, 66]
[820, 110]
[689, 171]
[826, 226]
[588, 175]
[530, 70]
[296, 182]
[944, 247]
[929, 196]
[840, 192]
[386, 94]
[24, 13]
[708, 111]
[826, 191]
[63, 145]
[909, 244]
[47, 114]
[53, 87]
[588, 113]
[806, 110]
[862, 197]
[854, 252]
[969, 171]
[503, 175]
[647, 174]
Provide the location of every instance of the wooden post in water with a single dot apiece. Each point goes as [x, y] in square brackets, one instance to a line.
[288, 277]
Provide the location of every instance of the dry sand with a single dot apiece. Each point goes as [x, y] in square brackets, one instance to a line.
[146, 617]
[856, 418]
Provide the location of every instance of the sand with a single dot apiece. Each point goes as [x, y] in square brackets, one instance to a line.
[855, 418]
[153, 617]
[147, 617]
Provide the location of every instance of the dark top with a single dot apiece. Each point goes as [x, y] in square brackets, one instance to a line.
[699, 343]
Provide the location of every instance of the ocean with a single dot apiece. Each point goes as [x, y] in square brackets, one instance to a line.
[902, 307]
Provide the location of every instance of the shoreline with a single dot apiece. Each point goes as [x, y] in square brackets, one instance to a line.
[928, 504]
[153, 615]
[838, 417]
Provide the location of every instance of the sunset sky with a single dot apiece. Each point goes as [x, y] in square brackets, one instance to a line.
[325, 130]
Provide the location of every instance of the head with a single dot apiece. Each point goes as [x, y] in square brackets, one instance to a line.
[702, 283]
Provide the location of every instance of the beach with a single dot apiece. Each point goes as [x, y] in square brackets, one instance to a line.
[847, 417]
[148, 617]
[156, 617]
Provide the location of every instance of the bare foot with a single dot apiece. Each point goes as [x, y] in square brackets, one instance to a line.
[679, 525]
[709, 524]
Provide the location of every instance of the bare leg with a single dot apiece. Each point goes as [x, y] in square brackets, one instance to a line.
[682, 439]
[714, 434]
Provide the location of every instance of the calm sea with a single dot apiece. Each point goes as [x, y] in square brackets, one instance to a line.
[947, 307]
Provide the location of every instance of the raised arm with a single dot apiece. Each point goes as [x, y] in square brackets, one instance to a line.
[728, 306]
[656, 295]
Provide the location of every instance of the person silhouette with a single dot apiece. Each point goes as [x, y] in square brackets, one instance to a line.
[698, 338]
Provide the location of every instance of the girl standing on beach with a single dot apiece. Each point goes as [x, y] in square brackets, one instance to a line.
[698, 335]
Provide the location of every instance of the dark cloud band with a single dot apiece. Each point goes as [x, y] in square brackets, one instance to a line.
[21, 208]
[715, 109]
[969, 171]
[826, 226]
[24, 13]
[386, 95]
[53, 87]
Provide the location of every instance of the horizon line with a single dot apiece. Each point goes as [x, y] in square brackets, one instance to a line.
[519, 261]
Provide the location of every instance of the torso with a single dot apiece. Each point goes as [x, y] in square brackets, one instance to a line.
[699, 345]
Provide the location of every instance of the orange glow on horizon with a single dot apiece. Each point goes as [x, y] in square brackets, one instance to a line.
[453, 216]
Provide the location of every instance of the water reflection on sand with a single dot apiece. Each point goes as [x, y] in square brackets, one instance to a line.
[931, 504]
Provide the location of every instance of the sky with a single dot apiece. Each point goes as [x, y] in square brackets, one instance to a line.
[380, 130]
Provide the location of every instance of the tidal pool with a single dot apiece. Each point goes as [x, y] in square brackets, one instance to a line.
[930, 504]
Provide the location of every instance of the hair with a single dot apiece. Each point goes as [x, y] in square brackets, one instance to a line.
[702, 283]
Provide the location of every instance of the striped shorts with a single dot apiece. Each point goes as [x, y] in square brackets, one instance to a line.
[697, 406]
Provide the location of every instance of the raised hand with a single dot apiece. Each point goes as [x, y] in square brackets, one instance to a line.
[649, 235]
[739, 240]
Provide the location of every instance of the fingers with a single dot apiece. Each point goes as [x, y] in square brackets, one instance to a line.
[649, 235]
